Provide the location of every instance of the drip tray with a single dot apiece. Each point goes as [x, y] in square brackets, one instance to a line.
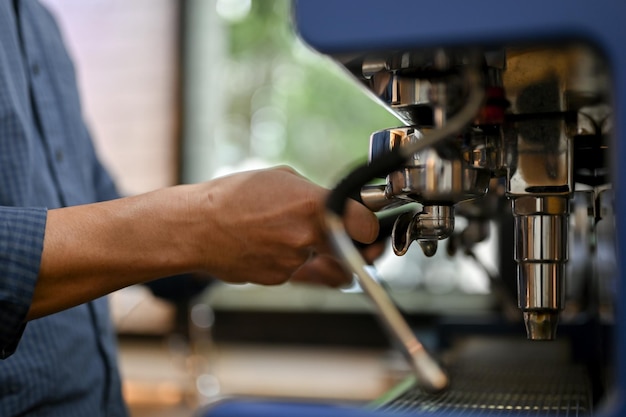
[511, 378]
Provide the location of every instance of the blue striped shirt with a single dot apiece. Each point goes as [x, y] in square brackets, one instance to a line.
[63, 364]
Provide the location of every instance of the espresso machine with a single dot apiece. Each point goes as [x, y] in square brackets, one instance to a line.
[509, 113]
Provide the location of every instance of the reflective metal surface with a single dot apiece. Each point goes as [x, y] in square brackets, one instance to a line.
[409, 82]
[437, 178]
[541, 105]
[541, 226]
[426, 227]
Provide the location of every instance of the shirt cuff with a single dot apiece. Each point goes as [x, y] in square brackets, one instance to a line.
[21, 245]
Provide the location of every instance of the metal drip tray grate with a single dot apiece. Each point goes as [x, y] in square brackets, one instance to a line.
[511, 380]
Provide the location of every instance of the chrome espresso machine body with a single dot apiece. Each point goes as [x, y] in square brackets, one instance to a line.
[508, 110]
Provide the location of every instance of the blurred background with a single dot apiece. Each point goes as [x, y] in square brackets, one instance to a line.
[183, 91]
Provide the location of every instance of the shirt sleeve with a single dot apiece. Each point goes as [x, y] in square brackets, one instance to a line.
[21, 246]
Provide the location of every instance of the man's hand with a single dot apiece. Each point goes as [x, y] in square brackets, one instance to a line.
[268, 225]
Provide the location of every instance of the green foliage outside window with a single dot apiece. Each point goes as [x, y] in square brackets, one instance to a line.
[292, 105]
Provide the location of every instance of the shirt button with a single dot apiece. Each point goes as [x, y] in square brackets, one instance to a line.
[35, 69]
[58, 155]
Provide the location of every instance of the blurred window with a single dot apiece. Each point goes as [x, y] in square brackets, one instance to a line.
[127, 60]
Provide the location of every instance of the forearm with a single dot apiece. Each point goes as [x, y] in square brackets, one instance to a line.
[260, 227]
[92, 250]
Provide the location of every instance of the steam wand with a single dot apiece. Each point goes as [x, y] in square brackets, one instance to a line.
[430, 376]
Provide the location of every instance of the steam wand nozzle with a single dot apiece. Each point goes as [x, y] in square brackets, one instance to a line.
[430, 376]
